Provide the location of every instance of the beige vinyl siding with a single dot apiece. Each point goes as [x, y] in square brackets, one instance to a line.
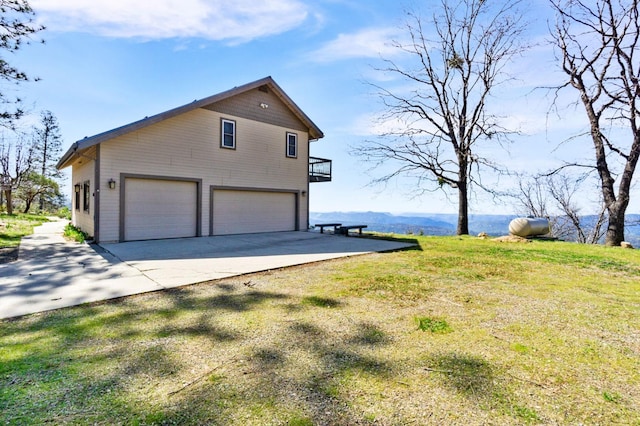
[243, 212]
[83, 171]
[248, 105]
[157, 208]
[189, 146]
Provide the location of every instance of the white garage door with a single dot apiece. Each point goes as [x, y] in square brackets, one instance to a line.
[243, 212]
[157, 209]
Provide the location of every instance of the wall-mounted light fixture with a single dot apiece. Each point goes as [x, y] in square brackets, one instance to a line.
[304, 193]
[263, 105]
[77, 187]
[112, 184]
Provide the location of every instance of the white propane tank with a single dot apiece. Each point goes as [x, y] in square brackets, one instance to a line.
[529, 226]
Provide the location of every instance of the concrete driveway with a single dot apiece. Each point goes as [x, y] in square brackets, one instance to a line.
[52, 273]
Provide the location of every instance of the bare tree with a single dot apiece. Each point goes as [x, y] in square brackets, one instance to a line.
[16, 163]
[533, 199]
[564, 189]
[599, 45]
[553, 196]
[455, 61]
[532, 196]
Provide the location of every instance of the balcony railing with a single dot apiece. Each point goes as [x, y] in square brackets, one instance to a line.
[319, 169]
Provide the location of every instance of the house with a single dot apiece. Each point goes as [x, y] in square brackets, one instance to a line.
[236, 162]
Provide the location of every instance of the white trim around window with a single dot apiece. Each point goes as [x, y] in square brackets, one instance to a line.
[227, 134]
[292, 145]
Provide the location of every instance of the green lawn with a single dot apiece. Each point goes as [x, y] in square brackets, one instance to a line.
[14, 227]
[460, 331]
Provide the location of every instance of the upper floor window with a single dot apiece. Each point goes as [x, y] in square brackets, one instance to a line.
[228, 137]
[292, 145]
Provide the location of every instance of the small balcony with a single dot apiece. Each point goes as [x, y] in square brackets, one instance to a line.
[319, 169]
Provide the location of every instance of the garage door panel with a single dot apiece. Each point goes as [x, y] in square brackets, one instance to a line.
[242, 212]
[157, 209]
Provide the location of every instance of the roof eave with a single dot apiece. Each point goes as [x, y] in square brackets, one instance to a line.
[314, 131]
[66, 160]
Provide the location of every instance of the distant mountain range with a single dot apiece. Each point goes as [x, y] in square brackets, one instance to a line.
[442, 224]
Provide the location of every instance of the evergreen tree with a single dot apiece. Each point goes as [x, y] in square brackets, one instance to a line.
[16, 28]
[47, 145]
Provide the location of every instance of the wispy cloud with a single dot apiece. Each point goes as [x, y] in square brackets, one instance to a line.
[234, 21]
[366, 43]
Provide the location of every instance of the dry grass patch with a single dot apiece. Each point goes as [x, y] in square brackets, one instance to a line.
[542, 333]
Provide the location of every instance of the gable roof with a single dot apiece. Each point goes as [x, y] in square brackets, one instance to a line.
[87, 142]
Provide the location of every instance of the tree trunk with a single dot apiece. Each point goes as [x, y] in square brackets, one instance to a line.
[44, 169]
[27, 205]
[463, 190]
[618, 208]
[463, 210]
[615, 227]
[7, 195]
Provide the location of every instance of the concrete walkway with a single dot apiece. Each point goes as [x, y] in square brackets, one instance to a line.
[52, 273]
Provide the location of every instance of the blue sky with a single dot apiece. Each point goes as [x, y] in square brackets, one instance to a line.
[107, 63]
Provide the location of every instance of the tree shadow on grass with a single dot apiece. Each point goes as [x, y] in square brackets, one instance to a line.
[333, 360]
[204, 327]
[468, 375]
[235, 302]
[409, 240]
[370, 335]
[269, 358]
[321, 302]
[136, 362]
[82, 364]
[308, 329]
[477, 380]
